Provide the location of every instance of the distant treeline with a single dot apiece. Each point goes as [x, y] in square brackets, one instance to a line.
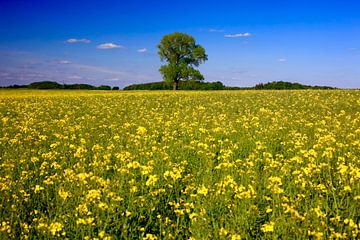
[55, 85]
[183, 85]
[287, 85]
[193, 85]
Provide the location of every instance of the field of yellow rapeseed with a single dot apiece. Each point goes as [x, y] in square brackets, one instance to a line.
[180, 165]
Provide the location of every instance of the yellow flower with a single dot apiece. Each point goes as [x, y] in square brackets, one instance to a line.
[141, 131]
[83, 209]
[268, 227]
[102, 234]
[127, 213]
[38, 188]
[54, 228]
[149, 236]
[202, 190]
[152, 180]
[80, 221]
[103, 206]
[90, 220]
[317, 235]
[63, 194]
[93, 194]
[223, 232]
[268, 210]
[5, 120]
[235, 237]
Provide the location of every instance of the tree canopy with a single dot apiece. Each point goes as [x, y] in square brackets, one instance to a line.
[182, 54]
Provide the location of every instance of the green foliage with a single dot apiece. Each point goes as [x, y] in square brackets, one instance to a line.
[150, 86]
[238, 88]
[104, 87]
[182, 54]
[45, 85]
[197, 85]
[15, 86]
[79, 86]
[278, 85]
[184, 85]
[55, 85]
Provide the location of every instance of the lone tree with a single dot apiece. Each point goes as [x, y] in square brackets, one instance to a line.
[182, 54]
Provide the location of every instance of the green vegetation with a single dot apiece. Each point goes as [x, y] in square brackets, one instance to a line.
[196, 85]
[280, 85]
[55, 85]
[79, 86]
[104, 87]
[45, 85]
[182, 54]
[183, 85]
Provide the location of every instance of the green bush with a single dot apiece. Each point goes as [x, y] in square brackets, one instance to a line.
[104, 87]
[45, 85]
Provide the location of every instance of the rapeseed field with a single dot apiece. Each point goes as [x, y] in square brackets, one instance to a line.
[180, 165]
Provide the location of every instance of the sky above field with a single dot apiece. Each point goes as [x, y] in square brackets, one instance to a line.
[114, 42]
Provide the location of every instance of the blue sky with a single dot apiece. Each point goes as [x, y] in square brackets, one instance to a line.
[114, 42]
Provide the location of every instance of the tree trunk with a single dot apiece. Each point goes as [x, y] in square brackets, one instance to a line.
[175, 85]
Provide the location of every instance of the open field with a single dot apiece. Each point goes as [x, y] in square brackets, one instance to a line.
[180, 165]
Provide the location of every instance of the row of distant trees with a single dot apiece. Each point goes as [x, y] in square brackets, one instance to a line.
[55, 85]
[278, 85]
[199, 85]
[183, 85]
[166, 85]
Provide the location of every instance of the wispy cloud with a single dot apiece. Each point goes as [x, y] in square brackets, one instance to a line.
[113, 79]
[64, 62]
[216, 30]
[237, 35]
[282, 60]
[142, 50]
[74, 77]
[4, 74]
[109, 46]
[97, 69]
[74, 40]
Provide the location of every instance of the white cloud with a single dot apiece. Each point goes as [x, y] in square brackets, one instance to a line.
[64, 62]
[282, 60]
[4, 74]
[237, 35]
[216, 30]
[109, 46]
[113, 79]
[74, 40]
[74, 77]
[142, 50]
[97, 69]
